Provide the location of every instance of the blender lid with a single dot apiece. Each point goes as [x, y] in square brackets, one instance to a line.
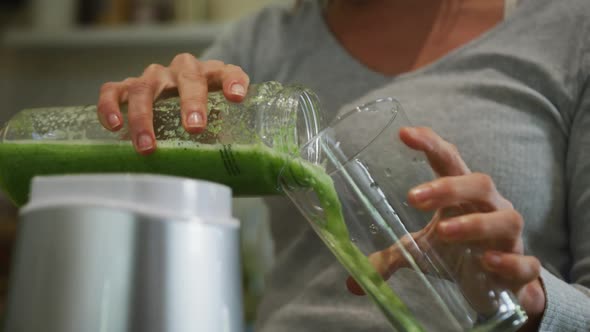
[163, 196]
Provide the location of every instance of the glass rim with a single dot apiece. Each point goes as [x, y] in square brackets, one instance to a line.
[307, 121]
[368, 107]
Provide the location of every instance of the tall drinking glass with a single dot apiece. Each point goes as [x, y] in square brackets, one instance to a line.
[355, 199]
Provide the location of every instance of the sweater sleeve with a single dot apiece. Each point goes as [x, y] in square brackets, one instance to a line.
[568, 299]
[567, 307]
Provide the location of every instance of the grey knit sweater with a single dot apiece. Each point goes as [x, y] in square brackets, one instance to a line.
[516, 102]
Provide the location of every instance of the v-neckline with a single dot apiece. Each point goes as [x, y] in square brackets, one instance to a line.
[432, 66]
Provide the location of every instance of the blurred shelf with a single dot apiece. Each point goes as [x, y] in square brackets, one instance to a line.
[198, 35]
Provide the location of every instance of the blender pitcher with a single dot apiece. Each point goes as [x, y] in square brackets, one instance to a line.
[125, 252]
[244, 145]
[355, 199]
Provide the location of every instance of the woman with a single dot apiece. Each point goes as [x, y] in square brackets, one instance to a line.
[510, 93]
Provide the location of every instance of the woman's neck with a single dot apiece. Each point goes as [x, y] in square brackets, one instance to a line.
[393, 37]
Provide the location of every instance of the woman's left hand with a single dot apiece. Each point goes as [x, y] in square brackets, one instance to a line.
[469, 210]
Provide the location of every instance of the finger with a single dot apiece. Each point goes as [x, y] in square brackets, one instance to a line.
[230, 78]
[532, 297]
[514, 270]
[161, 76]
[383, 262]
[140, 114]
[354, 287]
[213, 72]
[124, 96]
[443, 157]
[475, 188]
[387, 261]
[235, 83]
[503, 228]
[109, 113]
[141, 94]
[193, 89]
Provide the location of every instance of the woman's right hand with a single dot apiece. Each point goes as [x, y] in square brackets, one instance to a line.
[186, 75]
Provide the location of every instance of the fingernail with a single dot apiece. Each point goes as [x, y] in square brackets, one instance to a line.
[113, 120]
[450, 227]
[493, 259]
[410, 130]
[194, 119]
[238, 89]
[144, 142]
[421, 193]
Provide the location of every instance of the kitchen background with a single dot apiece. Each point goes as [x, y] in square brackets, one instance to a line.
[59, 52]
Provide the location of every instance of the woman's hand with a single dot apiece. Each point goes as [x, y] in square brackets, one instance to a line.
[488, 220]
[190, 78]
[468, 211]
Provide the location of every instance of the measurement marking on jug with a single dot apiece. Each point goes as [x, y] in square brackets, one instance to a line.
[231, 166]
[233, 160]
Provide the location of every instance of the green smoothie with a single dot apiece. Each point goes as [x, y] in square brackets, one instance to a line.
[247, 169]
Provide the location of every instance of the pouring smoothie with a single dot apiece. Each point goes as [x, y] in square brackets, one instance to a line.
[251, 166]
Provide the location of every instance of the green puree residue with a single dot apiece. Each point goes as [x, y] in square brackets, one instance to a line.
[247, 169]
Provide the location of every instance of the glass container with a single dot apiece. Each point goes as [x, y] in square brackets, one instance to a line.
[244, 146]
[355, 199]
